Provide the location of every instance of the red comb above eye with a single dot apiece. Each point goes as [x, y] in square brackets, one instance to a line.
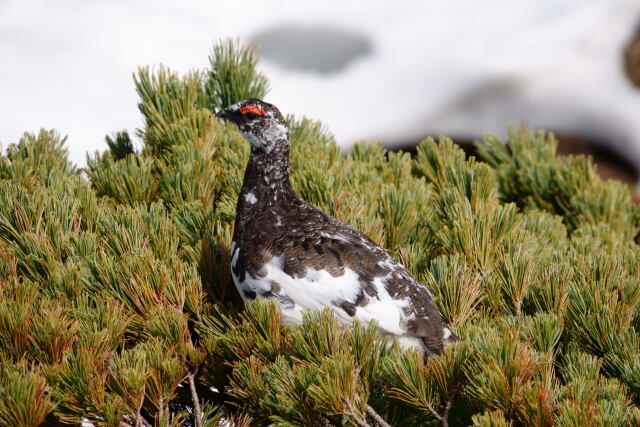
[252, 109]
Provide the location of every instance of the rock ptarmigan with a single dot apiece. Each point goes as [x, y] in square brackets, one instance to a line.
[286, 249]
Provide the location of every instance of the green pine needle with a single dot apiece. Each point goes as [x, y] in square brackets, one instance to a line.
[115, 287]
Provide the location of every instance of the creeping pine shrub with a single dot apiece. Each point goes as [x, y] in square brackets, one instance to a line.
[117, 307]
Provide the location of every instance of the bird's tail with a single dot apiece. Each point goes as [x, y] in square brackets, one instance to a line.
[435, 345]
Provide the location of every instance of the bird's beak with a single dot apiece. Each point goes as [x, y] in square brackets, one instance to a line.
[225, 113]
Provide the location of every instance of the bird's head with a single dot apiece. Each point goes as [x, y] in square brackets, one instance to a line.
[261, 123]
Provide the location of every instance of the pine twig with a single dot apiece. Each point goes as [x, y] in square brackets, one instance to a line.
[359, 421]
[326, 420]
[450, 402]
[161, 410]
[362, 422]
[372, 412]
[444, 421]
[196, 403]
[140, 421]
[128, 422]
[138, 418]
[444, 418]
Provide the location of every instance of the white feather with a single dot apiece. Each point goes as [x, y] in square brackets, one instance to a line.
[250, 198]
[234, 257]
[319, 289]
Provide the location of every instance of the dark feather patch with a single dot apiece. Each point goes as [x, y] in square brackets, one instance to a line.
[273, 222]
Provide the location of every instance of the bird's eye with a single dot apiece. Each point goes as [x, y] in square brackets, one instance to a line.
[251, 111]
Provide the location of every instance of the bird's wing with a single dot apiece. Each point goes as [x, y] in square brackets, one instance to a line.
[318, 261]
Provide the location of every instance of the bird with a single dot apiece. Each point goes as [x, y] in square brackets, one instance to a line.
[285, 248]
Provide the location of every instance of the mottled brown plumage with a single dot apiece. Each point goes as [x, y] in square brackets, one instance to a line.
[287, 249]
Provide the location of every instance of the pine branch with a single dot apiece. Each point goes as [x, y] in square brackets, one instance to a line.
[197, 412]
[447, 407]
[443, 420]
[102, 273]
[139, 421]
[327, 421]
[372, 412]
[359, 421]
[444, 417]
[120, 144]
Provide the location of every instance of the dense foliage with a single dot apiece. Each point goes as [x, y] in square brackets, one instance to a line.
[117, 307]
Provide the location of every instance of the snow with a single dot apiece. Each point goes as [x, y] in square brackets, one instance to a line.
[391, 71]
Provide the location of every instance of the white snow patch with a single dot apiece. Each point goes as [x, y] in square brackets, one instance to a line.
[555, 64]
